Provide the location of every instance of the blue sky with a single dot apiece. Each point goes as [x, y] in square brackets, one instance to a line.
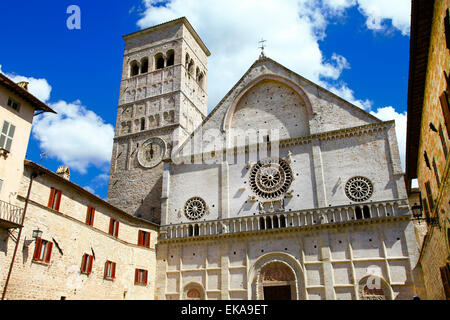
[358, 49]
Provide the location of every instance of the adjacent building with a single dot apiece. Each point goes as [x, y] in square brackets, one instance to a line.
[428, 132]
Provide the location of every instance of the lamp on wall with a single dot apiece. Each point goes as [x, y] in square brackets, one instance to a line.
[417, 216]
[37, 234]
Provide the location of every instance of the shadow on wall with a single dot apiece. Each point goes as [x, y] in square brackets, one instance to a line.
[150, 208]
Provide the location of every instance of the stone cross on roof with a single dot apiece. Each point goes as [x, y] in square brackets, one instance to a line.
[262, 48]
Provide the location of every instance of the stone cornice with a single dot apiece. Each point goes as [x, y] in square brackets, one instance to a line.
[322, 136]
[160, 130]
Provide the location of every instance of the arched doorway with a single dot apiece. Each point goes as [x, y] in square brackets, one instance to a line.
[277, 281]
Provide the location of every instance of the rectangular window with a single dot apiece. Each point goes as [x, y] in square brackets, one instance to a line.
[141, 277]
[110, 270]
[445, 275]
[1, 184]
[444, 144]
[13, 104]
[429, 195]
[55, 199]
[6, 136]
[114, 227]
[144, 239]
[42, 250]
[86, 263]
[90, 216]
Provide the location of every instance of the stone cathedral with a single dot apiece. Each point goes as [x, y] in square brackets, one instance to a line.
[284, 190]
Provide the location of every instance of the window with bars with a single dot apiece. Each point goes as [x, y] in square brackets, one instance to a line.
[144, 239]
[110, 270]
[141, 277]
[42, 250]
[54, 200]
[86, 263]
[90, 216]
[7, 135]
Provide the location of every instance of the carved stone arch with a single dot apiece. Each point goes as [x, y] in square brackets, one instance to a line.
[159, 61]
[193, 291]
[134, 68]
[374, 287]
[273, 269]
[229, 114]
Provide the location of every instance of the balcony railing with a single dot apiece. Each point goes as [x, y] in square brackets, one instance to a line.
[10, 215]
[287, 219]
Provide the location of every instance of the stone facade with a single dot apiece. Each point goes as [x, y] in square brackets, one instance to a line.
[167, 99]
[66, 228]
[318, 242]
[432, 158]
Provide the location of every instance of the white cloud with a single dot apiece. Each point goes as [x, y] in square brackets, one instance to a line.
[377, 12]
[38, 87]
[389, 113]
[75, 135]
[292, 29]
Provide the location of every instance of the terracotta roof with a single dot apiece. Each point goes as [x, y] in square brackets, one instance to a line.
[421, 22]
[24, 94]
[86, 193]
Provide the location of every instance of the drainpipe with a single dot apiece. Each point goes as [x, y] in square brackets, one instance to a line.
[33, 175]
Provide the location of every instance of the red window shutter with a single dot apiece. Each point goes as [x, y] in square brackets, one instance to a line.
[91, 258]
[88, 215]
[92, 216]
[146, 277]
[113, 272]
[106, 269]
[116, 233]
[83, 263]
[58, 200]
[136, 276]
[51, 198]
[140, 242]
[49, 252]
[148, 240]
[37, 249]
[111, 226]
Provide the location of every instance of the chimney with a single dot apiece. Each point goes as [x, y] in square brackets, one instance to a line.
[64, 172]
[23, 84]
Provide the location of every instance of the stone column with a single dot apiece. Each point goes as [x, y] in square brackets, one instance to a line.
[224, 191]
[165, 194]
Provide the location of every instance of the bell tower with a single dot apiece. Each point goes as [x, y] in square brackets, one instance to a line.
[163, 98]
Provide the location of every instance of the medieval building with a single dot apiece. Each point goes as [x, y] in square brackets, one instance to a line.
[428, 132]
[283, 191]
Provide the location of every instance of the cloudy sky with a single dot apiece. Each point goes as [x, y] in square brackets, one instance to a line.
[358, 49]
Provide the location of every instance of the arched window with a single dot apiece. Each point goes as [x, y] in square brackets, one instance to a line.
[142, 124]
[196, 230]
[170, 58]
[191, 66]
[282, 222]
[190, 230]
[159, 61]
[200, 80]
[358, 213]
[269, 223]
[186, 63]
[144, 65]
[366, 212]
[262, 224]
[134, 68]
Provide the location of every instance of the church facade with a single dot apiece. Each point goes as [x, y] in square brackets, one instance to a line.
[283, 191]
